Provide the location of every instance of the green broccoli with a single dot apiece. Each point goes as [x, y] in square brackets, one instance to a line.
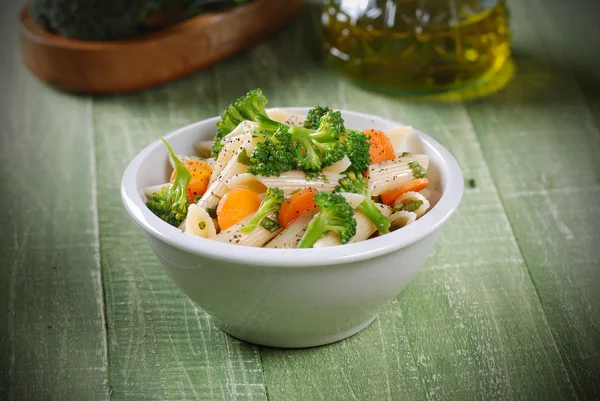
[315, 149]
[357, 143]
[107, 20]
[171, 203]
[247, 107]
[357, 150]
[271, 203]
[93, 19]
[313, 117]
[322, 147]
[275, 155]
[266, 126]
[335, 215]
[355, 183]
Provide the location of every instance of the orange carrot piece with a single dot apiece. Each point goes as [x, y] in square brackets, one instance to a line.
[201, 173]
[295, 205]
[235, 206]
[381, 148]
[416, 185]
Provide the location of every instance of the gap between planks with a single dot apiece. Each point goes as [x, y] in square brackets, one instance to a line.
[101, 295]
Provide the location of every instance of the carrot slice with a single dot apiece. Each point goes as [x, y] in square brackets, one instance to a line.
[381, 148]
[201, 172]
[416, 185]
[295, 205]
[235, 205]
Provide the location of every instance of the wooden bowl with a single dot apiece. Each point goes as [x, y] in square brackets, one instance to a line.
[123, 66]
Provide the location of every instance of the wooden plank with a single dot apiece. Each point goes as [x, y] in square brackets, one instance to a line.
[457, 319]
[541, 142]
[478, 328]
[52, 338]
[161, 345]
[470, 325]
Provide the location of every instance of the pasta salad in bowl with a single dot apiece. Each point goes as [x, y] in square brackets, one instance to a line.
[291, 227]
[279, 179]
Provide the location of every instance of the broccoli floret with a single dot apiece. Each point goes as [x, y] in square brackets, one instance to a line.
[171, 202]
[335, 215]
[357, 143]
[357, 150]
[266, 126]
[107, 20]
[315, 149]
[313, 117]
[355, 183]
[247, 107]
[322, 147]
[275, 155]
[271, 203]
[93, 19]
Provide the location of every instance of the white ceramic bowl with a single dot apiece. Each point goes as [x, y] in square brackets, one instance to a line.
[291, 297]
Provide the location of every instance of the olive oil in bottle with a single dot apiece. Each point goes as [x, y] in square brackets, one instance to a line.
[416, 46]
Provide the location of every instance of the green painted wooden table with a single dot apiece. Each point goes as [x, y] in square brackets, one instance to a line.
[507, 307]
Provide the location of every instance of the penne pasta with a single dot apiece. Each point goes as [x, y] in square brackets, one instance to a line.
[330, 239]
[390, 174]
[402, 218]
[410, 196]
[385, 209]
[217, 187]
[257, 237]
[288, 182]
[248, 181]
[199, 223]
[406, 172]
[338, 167]
[285, 117]
[243, 128]
[411, 143]
[292, 234]
[397, 136]
[231, 149]
[353, 199]
[364, 228]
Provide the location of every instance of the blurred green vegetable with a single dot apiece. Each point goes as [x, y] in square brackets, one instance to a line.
[104, 20]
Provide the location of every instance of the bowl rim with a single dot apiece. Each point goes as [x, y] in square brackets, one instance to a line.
[450, 174]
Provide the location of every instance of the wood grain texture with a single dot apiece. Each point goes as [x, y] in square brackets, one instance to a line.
[470, 325]
[162, 347]
[543, 157]
[52, 338]
[128, 65]
[505, 308]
